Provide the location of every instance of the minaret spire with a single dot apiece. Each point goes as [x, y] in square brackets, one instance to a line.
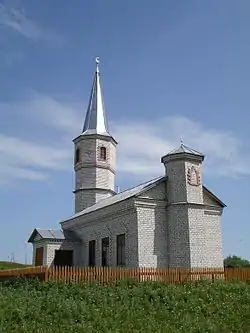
[95, 120]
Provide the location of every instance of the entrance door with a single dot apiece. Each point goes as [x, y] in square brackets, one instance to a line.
[39, 256]
[63, 258]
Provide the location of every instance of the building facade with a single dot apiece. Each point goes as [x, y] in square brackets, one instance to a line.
[170, 221]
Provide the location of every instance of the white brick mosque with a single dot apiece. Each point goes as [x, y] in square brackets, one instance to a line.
[170, 221]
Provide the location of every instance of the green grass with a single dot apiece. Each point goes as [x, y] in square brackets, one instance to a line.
[127, 307]
[11, 265]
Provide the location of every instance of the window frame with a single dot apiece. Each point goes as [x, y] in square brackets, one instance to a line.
[103, 153]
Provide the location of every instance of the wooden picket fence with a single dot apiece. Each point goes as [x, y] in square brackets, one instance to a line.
[106, 275]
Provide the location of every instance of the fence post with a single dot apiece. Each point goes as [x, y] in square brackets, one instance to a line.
[46, 275]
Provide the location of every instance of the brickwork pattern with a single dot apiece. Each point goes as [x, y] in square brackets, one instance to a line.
[194, 193]
[158, 234]
[112, 222]
[94, 177]
[49, 248]
[194, 237]
[152, 227]
[171, 224]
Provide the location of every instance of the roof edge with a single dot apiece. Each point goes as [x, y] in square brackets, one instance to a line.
[33, 235]
[36, 232]
[157, 181]
[221, 203]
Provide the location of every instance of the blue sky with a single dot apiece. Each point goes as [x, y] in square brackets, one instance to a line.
[168, 69]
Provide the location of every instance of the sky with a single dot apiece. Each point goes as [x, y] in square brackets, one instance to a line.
[169, 69]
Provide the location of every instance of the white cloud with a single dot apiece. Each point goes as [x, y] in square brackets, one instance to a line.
[17, 20]
[29, 160]
[141, 143]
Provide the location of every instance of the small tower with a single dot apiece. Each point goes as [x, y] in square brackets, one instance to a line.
[95, 153]
[183, 168]
[187, 224]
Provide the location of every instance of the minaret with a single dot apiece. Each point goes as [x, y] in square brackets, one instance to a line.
[95, 153]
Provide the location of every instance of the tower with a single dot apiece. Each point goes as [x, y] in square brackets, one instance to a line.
[187, 223]
[95, 153]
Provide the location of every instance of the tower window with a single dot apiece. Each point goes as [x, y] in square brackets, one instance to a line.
[103, 153]
[77, 156]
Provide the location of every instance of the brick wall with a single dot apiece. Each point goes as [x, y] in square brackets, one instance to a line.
[158, 233]
[152, 227]
[50, 246]
[194, 235]
[94, 178]
[108, 222]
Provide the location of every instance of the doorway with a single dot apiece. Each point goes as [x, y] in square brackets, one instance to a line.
[63, 258]
[39, 256]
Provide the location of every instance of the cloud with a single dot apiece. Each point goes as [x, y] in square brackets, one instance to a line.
[22, 159]
[18, 21]
[141, 143]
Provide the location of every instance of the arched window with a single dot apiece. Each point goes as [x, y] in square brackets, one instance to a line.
[103, 153]
[77, 156]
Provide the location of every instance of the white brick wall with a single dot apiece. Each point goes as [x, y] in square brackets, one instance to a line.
[194, 236]
[152, 227]
[94, 178]
[50, 246]
[171, 224]
[158, 234]
[194, 193]
[109, 222]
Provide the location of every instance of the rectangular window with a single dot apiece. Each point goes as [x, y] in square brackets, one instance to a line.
[92, 253]
[120, 249]
[105, 251]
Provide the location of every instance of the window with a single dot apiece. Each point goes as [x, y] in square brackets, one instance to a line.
[120, 249]
[103, 153]
[105, 251]
[77, 156]
[92, 253]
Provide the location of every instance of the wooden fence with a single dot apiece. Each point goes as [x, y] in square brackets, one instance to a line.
[112, 274]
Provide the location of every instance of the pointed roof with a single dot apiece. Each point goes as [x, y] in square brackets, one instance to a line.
[182, 152]
[184, 149]
[95, 120]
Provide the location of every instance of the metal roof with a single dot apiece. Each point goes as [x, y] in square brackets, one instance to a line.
[47, 234]
[95, 120]
[118, 197]
[184, 149]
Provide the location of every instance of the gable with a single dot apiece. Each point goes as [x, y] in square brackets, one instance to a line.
[156, 192]
[37, 238]
[210, 199]
[39, 234]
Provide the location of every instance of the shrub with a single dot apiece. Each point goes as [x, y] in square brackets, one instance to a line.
[33, 307]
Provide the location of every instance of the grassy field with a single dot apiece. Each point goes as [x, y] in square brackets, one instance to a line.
[126, 307]
[10, 265]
